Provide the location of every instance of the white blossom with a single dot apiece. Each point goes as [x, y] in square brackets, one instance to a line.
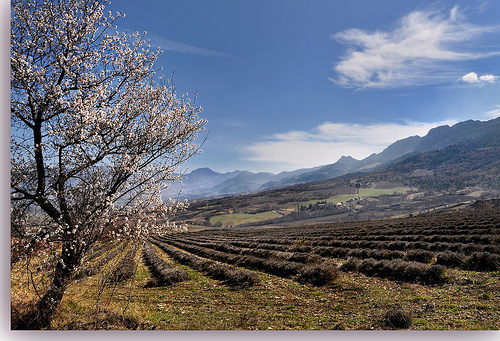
[96, 134]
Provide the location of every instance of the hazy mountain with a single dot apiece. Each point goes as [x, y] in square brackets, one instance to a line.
[204, 182]
[243, 182]
[289, 174]
[343, 166]
[199, 182]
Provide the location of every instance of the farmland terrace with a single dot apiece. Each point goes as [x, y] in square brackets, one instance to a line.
[428, 272]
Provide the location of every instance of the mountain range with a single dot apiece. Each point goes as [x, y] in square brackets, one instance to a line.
[204, 182]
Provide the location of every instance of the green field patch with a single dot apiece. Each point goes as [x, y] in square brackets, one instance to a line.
[375, 192]
[363, 192]
[242, 218]
[332, 200]
[207, 207]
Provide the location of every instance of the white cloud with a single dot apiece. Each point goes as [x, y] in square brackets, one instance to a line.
[419, 51]
[471, 78]
[326, 143]
[488, 78]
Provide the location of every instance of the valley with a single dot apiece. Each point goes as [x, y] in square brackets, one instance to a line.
[441, 171]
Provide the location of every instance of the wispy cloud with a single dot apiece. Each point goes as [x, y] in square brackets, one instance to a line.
[494, 113]
[175, 46]
[420, 50]
[326, 143]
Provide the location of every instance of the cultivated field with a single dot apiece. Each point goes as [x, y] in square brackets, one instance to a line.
[241, 218]
[428, 272]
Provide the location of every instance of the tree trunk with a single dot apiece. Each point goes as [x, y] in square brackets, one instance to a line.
[47, 306]
[50, 301]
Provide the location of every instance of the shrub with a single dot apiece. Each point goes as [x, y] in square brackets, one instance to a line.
[396, 246]
[351, 264]
[434, 274]
[368, 266]
[398, 268]
[395, 319]
[386, 254]
[449, 259]
[216, 271]
[282, 268]
[358, 253]
[491, 249]
[381, 268]
[481, 261]
[455, 247]
[439, 247]
[329, 251]
[422, 256]
[413, 272]
[318, 275]
[420, 245]
[300, 248]
[241, 279]
[306, 258]
[470, 248]
[251, 262]
[168, 277]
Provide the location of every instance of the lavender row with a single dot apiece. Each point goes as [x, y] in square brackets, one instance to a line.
[232, 277]
[163, 274]
[318, 275]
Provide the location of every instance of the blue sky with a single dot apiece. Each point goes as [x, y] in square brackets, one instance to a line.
[288, 84]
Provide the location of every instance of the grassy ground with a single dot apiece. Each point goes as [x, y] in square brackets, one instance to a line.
[468, 301]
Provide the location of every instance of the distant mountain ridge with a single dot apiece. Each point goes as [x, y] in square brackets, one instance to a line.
[437, 138]
[204, 182]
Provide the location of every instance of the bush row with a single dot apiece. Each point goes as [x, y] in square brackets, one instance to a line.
[397, 270]
[300, 257]
[429, 235]
[91, 270]
[163, 274]
[478, 227]
[100, 250]
[481, 261]
[232, 277]
[407, 246]
[126, 268]
[465, 256]
[435, 243]
[314, 274]
[487, 236]
[279, 268]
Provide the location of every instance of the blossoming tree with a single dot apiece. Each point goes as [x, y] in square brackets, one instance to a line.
[96, 134]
